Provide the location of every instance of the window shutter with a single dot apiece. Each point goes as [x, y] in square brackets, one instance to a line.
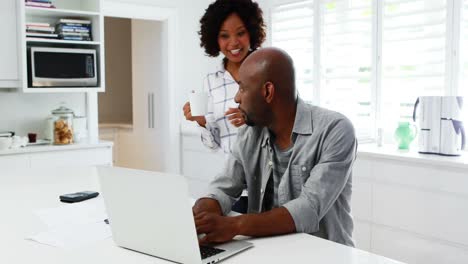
[293, 31]
[413, 53]
[346, 61]
[463, 90]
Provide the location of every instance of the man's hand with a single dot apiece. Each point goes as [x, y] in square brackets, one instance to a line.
[207, 205]
[209, 220]
[217, 228]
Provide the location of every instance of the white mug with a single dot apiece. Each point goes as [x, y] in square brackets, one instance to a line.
[5, 143]
[198, 103]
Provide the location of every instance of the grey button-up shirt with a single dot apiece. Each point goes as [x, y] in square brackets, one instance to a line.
[316, 187]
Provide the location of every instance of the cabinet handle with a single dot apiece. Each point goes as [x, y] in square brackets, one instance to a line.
[152, 110]
[149, 110]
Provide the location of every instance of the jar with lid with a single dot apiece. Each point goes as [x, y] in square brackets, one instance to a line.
[63, 125]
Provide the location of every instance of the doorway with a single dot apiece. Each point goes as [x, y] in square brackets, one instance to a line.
[135, 111]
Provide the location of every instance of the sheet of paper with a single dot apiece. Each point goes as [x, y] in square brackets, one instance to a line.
[73, 236]
[73, 225]
[90, 211]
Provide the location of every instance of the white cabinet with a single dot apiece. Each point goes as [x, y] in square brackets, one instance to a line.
[411, 209]
[68, 158]
[14, 161]
[57, 156]
[145, 146]
[8, 45]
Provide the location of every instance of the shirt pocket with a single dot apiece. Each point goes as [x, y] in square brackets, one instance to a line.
[299, 175]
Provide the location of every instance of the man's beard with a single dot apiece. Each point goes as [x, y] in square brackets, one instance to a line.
[247, 119]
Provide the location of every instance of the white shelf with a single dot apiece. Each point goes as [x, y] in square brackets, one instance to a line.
[57, 13]
[61, 41]
[78, 9]
[62, 89]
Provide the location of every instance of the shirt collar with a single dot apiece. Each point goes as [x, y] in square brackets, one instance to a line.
[303, 119]
[302, 122]
[224, 73]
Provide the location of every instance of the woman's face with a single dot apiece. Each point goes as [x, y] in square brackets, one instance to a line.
[234, 39]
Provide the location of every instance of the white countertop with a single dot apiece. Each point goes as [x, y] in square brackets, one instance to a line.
[24, 190]
[393, 153]
[46, 148]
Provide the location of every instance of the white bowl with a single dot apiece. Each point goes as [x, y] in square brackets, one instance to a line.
[5, 143]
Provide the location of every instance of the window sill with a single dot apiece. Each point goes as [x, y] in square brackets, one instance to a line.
[390, 152]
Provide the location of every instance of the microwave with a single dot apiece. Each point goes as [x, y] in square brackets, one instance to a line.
[62, 67]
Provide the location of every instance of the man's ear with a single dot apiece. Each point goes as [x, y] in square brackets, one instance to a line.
[269, 89]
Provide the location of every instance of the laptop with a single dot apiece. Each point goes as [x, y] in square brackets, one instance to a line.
[150, 212]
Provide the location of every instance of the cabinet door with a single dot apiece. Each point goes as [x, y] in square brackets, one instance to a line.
[14, 161]
[72, 158]
[149, 138]
[9, 43]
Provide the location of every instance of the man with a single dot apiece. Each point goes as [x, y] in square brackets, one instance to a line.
[296, 160]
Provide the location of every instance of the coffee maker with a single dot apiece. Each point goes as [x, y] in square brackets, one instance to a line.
[440, 125]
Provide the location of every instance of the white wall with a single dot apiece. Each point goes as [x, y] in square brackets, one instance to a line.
[24, 113]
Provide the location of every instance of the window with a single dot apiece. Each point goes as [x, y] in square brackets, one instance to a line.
[293, 31]
[371, 59]
[346, 61]
[463, 87]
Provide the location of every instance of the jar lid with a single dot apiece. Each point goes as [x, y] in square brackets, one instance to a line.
[62, 110]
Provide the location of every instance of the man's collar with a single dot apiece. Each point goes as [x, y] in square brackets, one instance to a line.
[302, 122]
[266, 137]
[303, 119]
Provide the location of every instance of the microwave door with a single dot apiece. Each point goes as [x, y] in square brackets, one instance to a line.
[57, 67]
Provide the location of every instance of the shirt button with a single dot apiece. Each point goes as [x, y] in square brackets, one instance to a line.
[303, 168]
[270, 163]
[261, 190]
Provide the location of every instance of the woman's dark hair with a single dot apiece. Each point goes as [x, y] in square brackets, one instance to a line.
[248, 11]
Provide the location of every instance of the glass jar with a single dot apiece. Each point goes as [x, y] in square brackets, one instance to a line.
[63, 126]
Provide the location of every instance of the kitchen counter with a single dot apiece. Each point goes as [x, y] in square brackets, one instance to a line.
[25, 191]
[48, 148]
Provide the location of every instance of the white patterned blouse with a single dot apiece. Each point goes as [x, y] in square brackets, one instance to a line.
[219, 132]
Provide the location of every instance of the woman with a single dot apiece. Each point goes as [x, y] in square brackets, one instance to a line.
[235, 28]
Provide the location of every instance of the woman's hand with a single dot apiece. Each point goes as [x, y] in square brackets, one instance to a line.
[235, 116]
[188, 115]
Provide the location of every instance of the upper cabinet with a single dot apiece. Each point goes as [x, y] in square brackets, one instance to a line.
[8, 46]
[60, 45]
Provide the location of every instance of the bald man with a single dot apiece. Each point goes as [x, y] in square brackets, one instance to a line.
[296, 160]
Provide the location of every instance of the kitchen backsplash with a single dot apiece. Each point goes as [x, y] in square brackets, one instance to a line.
[24, 113]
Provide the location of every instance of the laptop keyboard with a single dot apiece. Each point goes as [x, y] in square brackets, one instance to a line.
[207, 252]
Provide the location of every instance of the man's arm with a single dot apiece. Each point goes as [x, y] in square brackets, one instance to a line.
[221, 229]
[277, 221]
